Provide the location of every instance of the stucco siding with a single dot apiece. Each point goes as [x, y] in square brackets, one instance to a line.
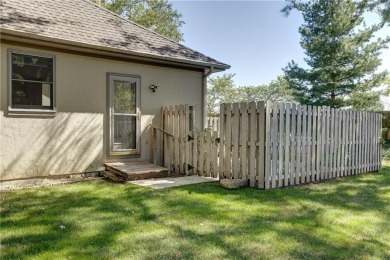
[76, 139]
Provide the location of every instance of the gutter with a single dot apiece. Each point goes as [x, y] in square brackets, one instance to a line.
[204, 95]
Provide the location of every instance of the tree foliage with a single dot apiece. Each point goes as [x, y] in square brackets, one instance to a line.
[383, 8]
[342, 55]
[222, 89]
[156, 15]
[277, 90]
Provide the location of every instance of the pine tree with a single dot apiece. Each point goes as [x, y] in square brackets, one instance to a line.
[342, 55]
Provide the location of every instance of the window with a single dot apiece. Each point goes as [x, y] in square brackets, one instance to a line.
[31, 82]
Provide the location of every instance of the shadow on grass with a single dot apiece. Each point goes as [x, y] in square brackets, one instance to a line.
[343, 218]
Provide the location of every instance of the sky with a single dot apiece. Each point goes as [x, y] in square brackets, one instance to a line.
[254, 37]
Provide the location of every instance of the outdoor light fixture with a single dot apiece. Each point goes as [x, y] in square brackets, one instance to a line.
[153, 88]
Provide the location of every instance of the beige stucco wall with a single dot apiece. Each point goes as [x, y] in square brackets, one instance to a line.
[75, 139]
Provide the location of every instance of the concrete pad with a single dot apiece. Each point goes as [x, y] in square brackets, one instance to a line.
[161, 183]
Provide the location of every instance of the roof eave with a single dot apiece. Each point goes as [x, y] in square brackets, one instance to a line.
[23, 37]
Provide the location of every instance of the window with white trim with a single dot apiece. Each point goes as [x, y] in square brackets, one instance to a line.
[32, 85]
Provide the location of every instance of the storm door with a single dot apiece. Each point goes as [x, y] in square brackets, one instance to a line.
[124, 114]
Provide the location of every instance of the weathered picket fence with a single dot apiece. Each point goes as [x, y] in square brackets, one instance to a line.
[186, 151]
[282, 144]
[274, 144]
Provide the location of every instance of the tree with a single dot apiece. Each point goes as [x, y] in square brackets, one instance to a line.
[276, 90]
[342, 55]
[383, 8]
[221, 89]
[156, 15]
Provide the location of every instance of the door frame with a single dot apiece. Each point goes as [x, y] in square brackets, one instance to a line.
[110, 78]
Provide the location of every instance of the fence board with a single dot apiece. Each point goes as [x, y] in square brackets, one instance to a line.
[353, 150]
[213, 123]
[261, 156]
[228, 140]
[338, 142]
[281, 143]
[252, 144]
[332, 143]
[207, 156]
[314, 144]
[243, 139]
[287, 169]
[303, 144]
[309, 144]
[318, 146]
[268, 145]
[195, 153]
[201, 145]
[327, 142]
[222, 137]
[351, 141]
[342, 141]
[235, 139]
[298, 152]
[293, 143]
[214, 162]
[274, 136]
[186, 134]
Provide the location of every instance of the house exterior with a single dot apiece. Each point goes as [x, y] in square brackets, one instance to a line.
[78, 87]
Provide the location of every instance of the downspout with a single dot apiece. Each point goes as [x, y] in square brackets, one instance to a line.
[204, 96]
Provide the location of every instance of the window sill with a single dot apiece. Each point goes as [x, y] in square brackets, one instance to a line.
[31, 112]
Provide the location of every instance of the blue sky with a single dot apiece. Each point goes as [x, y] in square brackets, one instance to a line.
[254, 37]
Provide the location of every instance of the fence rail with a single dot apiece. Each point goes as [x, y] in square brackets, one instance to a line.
[274, 144]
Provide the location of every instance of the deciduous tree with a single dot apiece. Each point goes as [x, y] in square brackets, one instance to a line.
[276, 90]
[221, 89]
[156, 15]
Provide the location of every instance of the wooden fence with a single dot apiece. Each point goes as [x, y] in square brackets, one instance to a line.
[282, 144]
[212, 123]
[186, 151]
[274, 144]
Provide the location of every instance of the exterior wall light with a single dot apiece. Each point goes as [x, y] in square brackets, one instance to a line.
[153, 88]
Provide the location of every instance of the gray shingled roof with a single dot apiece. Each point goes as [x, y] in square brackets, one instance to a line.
[82, 22]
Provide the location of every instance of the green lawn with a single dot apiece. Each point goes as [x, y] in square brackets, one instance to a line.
[347, 218]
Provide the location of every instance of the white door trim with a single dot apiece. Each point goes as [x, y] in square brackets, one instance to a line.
[137, 115]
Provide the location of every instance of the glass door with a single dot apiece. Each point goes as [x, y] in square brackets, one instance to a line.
[124, 114]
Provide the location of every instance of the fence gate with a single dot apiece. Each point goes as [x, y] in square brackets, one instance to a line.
[188, 152]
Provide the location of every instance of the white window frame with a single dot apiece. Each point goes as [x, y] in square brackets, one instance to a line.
[30, 111]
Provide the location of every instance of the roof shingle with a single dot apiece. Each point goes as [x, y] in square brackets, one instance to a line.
[81, 21]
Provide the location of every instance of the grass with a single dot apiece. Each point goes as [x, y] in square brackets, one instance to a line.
[346, 218]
